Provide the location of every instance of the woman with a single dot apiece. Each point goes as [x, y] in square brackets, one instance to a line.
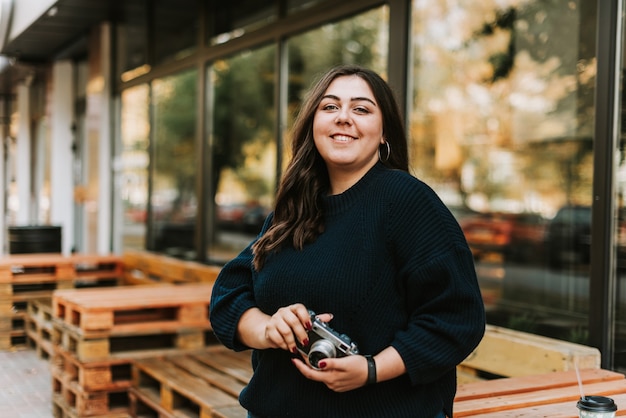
[354, 237]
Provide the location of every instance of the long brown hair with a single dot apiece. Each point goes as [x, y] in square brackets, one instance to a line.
[298, 212]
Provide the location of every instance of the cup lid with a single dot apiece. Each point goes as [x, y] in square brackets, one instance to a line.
[596, 404]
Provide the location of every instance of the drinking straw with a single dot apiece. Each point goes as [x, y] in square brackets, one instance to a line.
[580, 383]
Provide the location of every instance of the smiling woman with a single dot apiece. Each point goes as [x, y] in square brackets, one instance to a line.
[364, 244]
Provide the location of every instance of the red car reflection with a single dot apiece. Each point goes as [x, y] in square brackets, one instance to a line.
[514, 236]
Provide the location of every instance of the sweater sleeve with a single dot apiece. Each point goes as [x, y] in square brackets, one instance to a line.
[436, 271]
[232, 295]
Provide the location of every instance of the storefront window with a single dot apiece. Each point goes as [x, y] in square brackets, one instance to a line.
[232, 19]
[173, 203]
[244, 148]
[297, 5]
[501, 126]
[176, 25]
[135, 134]
[132, 41]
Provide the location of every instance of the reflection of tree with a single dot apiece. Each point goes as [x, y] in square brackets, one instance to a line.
[243, 115]
[498, 79]
[175, 103]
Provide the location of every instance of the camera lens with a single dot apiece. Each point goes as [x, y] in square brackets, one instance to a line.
[321, 349]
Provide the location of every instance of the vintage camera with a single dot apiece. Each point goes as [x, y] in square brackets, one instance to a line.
[324, 342]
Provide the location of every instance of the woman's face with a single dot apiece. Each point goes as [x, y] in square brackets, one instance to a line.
[348, 126]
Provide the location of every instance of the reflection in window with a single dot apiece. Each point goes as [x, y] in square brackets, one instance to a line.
[135, 131]
[175, 29]
[501, 127]
[297, 5]
[132, 40]
[244, 148]
[361, 39]
[173, 201]
[232, 19]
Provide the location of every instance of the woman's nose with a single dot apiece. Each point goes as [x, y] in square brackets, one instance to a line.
[343, 116]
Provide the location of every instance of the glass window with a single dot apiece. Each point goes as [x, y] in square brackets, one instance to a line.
[135, 137]
[501, 126]
[298, 5]
[173, 202]
[244, 148]
[361, 39]
[176, 25]
[232, 19]
[132, 40]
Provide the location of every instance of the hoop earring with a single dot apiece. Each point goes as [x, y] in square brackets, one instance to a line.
[388, 153]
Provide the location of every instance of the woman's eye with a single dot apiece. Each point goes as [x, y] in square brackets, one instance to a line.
[361, 110]
[329, 106]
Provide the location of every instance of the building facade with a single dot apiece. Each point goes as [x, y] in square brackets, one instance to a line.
[164, 125]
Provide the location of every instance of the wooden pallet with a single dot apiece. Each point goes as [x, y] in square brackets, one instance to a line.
[40, 330]
[142, 267]
[144, 343]
[203, 384]
[61, 409]
[72, 400]
[33, 268]
[105, 375]
[134, 309]
[29, 277]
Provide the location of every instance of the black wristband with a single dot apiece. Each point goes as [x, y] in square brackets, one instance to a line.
[371, 369]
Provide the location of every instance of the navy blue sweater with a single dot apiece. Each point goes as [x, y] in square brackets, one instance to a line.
[394, 268]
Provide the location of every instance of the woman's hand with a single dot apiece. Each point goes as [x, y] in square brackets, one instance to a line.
[350, 372]
[259, 330]
[338, 374]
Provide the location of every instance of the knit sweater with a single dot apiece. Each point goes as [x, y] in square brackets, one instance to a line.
[393, 267]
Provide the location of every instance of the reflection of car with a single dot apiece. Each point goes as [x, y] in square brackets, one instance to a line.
[242, 217]
[253, 219]
[515, 236]
[230, 216]
[568, 237]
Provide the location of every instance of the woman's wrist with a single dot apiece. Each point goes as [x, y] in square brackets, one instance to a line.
[371, 369]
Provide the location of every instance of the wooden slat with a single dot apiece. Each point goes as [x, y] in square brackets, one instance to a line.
[523, 384]
[537, 396]
[552, 410]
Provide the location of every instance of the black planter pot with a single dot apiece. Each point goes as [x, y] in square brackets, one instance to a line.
[34, 239]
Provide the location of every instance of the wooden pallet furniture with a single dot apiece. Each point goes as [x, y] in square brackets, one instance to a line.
[26, 277]
[103, 331]
[97, 324]
[552, 395]
[202, 384]
[40, 331]
[143, 267]
[508, 353]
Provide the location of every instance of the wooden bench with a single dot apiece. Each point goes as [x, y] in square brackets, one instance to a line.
[30, 277]
[143, 267]
[508, 353]
[551, 395]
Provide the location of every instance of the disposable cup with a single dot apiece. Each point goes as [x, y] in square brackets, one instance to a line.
[596, 407]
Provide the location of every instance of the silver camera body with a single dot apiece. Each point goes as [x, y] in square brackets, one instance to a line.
[324, 342]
